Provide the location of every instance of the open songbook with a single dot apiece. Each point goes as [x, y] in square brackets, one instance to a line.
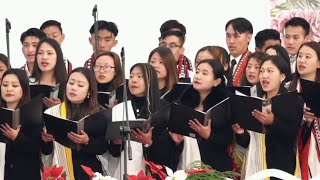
[94, 125]
[44, 91]
[241, 108]
[311, 95]
[178, 116]
[177, 90]
[119, 121]
[103, 98]
[246, 90]
[238, 109]
[113, 97]
[28, 115]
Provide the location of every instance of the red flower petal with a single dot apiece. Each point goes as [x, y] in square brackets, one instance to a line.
[46, 173]
[156, 169]
[56, 171]
[88, 170]
[197, 170]
[132, 177]
[140, 175]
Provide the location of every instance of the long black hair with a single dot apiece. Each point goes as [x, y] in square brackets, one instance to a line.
[152, 93]
[60, 72]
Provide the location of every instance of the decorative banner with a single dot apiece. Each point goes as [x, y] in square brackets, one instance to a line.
[283, 10]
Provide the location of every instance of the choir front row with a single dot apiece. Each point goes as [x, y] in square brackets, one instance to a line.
[290, 145]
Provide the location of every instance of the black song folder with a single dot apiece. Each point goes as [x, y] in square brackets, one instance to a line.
[94, 125]
[44, 91]
[311, 95]
[241, 108]
[28, 115]
[178, 117]
[177, 90]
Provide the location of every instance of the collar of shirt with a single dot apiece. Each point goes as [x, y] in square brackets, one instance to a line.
[292, 58]
[237, 58]
[26, 69]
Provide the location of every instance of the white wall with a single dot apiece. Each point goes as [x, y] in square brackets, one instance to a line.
[138, 22]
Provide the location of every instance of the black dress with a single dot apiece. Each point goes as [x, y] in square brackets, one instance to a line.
[214, 150]
[280, 140]
[23, 155]
[163, 149]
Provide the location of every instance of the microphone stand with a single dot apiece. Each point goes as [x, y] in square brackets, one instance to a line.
[8, 27]
[125, 129]
[95, 14]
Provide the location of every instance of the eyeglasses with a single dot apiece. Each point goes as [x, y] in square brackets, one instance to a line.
[104, 68]
[171, 45]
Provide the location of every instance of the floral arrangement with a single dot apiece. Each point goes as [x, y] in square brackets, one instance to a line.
[141, 176]
[95, 175]
[53, 173]
[283, 10]
[196, 170]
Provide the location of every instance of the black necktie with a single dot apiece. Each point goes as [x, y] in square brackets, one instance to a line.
[233, 63]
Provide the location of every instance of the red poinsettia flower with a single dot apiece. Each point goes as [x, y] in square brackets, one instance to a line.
[156, 169]
[140, 176]
[197, 170]
[53, 173]
[88, 170]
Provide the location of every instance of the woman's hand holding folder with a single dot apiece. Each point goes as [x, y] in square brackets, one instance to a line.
[81, 138]
[51, 102]
[46, 137]
[9, 132]
[139, 136]
[266, 118]
[237, 129]
[203, 131]
[308, 116]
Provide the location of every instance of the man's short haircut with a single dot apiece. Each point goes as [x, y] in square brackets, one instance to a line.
[298, 21]
[170, 24]
[109, 26]
[174, 33]
[240, 25]
[51, 23]
[264, 35]
[32, 32]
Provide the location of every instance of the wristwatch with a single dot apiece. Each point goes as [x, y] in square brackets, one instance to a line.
[147, 145]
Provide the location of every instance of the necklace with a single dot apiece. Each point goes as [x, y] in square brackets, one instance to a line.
[138, 108]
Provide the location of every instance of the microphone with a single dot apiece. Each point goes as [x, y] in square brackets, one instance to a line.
[95, 14]
[8, 25]
[122, 54]
[126, 126]
[94, 10]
